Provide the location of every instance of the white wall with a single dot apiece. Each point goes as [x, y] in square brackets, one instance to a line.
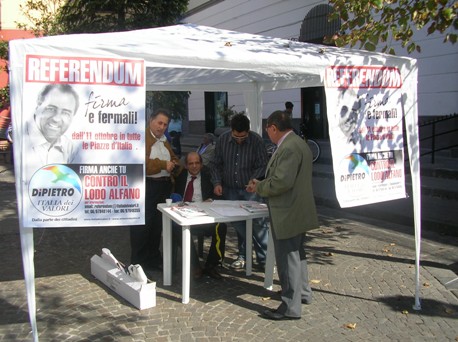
[437, 64]
[437, 75]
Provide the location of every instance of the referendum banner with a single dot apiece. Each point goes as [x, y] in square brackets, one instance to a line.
[83, 151]
[365, 110]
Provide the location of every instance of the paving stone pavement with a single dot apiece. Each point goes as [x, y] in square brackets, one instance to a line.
[361, 271]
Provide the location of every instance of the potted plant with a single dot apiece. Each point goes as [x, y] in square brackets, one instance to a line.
[228, 113]
[4, 97]
[5, 117]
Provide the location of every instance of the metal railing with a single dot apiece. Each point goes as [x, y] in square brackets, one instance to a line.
[448, 127]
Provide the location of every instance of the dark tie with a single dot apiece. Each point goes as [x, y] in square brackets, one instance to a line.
[189, 190]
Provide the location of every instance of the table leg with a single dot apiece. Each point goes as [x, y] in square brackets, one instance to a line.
[167, 249]
[186, 265]
[270, 263]
[249, 246]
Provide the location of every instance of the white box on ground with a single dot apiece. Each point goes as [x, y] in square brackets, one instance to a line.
[142, 296]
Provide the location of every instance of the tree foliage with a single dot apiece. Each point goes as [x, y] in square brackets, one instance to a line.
[373, 23]
[82, 16]
[4, 50]
[51, 17]
[42, 17]
[4, 97]
[227, 114]
[174, 101]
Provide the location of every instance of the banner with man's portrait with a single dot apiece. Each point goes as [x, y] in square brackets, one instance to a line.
[83, 150]
[365, 110]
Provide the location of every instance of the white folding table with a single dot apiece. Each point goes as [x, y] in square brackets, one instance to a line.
[218, 211]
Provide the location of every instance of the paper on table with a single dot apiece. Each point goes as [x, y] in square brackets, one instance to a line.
[254, 207]
[189, 211]
[229, 211]
[227, 208]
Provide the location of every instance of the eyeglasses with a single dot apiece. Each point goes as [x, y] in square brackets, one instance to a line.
[239, 137]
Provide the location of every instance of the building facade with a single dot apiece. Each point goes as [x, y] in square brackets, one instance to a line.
[306, 20]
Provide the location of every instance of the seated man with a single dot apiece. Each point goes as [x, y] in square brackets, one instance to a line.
[195, 186]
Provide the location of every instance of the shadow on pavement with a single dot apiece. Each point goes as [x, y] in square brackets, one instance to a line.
[429, 307]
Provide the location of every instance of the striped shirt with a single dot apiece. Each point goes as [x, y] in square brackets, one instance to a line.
[235, 164]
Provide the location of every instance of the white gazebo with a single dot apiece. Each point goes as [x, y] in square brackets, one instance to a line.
[191, 57]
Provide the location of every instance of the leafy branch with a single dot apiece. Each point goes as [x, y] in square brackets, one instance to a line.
[228, 113]
[374, 22]
[43, 15]
[4, 97]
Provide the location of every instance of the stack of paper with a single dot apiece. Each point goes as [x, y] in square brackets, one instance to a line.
[189, 211]
[254, 207]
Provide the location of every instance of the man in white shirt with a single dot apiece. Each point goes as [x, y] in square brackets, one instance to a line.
[160, 163]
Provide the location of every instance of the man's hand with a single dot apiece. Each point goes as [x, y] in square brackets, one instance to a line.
[218, 190]
[251, 187]
[170, 166]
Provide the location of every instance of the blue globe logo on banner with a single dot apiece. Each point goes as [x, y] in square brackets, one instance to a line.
[55, 190]
[357, 163]
[353, 176]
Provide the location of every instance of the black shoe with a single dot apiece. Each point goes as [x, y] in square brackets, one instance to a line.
[275, 316]
[213, 273]
[306, 301]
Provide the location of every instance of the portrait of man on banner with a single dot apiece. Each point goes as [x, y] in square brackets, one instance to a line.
[56, 108]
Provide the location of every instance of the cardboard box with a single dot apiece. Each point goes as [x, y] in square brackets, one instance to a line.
[142, 296]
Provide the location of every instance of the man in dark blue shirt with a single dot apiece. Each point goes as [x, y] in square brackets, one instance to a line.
[240, 155]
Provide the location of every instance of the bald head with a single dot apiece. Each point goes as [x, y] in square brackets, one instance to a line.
[193, 163]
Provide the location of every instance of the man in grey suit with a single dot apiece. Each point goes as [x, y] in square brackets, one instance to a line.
[288, 189]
